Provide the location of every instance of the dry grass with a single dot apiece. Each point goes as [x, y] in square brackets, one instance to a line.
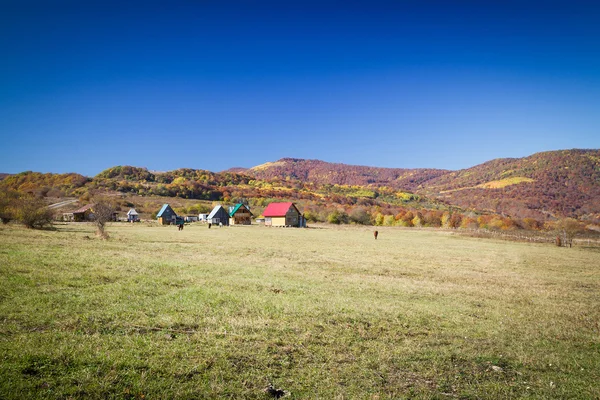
[323, 313]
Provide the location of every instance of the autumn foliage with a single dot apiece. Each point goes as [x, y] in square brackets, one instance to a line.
[501, 195]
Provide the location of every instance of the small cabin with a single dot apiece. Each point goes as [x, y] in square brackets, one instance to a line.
[283, 214]
[166, 215]
[218, 215]
[203, 217]
[82, 214]
[133, 216]
[240, 215]
[191, 218]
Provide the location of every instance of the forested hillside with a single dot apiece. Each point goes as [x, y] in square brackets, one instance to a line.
[321, 172]
[541, 187]
[550, 183]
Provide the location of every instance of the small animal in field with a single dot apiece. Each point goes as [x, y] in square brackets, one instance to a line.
[180, 227]
[276, 393]
[375, 234]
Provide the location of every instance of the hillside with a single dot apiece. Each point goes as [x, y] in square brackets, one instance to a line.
[321, 172]
[542, 186]
[556, 183]
[550, 183]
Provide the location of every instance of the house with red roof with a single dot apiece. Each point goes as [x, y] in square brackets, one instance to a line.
[283, 214]
[82, 214]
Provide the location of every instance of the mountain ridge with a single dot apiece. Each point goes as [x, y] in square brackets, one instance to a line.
[540, 186]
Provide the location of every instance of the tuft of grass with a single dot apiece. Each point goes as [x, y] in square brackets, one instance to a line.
[321, 313]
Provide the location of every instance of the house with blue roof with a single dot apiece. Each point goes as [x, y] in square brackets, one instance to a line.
[166, 215]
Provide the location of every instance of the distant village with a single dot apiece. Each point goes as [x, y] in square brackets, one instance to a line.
[276, 214]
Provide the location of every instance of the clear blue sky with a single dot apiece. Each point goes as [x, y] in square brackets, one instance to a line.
[87, 85]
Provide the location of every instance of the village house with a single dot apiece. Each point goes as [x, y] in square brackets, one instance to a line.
[240, 215]
[166, 215]
[283, 214]
[82, 214]
[218, 216]
[133, 216]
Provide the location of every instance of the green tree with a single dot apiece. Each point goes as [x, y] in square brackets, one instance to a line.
[379, 219]
[388, 220]
[337, 217]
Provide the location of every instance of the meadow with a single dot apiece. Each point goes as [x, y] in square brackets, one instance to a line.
[322, 313]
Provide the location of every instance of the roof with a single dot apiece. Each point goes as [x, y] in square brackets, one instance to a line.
[163, 209]
[83, 209]
[236, 208]
[215, 211]
[277, 209]
[132, 212]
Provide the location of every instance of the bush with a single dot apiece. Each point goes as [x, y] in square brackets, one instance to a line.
[8, 202]
[337, 217]
[360, 216]
[33, 213]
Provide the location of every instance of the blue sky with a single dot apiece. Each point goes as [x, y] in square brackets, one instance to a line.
[443, 84]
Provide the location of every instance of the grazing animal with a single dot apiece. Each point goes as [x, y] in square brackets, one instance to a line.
[375, 234]
[209, 225]
[180, 227]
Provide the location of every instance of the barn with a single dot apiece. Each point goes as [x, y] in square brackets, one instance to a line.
[82, 214]
[283, 214]
[166, 215]
[218, 216]
[240, 215]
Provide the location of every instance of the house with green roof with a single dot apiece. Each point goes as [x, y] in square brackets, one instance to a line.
[240, 215]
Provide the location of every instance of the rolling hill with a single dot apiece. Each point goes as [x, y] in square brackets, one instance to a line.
[321, 172]
[541, 186]
[554, 183]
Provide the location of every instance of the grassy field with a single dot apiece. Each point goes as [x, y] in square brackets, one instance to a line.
[323, 313]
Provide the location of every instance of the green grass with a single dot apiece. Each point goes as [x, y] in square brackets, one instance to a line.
[325, 313]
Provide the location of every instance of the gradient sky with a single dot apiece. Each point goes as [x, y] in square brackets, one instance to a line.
[88, 85]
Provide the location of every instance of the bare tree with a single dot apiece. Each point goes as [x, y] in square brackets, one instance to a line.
[104, 211]
[567, 229]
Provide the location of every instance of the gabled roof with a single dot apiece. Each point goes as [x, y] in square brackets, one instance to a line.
[236, 208]
[163, 209]
[278, 209]
[215, 211]
[132, 212]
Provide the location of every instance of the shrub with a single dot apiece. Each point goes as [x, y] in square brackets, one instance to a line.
[8, 202]
[360, 216]
[337, 217]
[33, 213]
